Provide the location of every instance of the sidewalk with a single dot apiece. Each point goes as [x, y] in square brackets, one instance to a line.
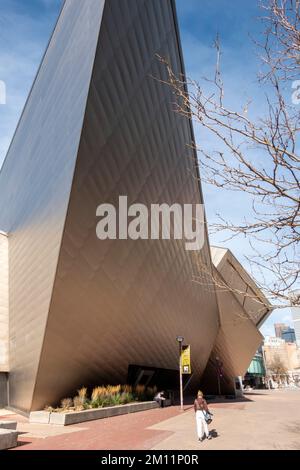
[269, 420]
[265, 420]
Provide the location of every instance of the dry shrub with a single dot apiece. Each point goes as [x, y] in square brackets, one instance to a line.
[98, 393]
[78, 405]
[66, 403]
[82, 393]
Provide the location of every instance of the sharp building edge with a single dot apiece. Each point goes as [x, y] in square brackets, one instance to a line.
[99, 123]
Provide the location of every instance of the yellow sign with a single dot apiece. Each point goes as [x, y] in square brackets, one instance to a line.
[186, 359]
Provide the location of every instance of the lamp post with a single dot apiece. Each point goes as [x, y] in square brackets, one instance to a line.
[180, 339]
[265, 366]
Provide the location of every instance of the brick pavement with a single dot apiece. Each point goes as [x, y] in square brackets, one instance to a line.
[264, 420]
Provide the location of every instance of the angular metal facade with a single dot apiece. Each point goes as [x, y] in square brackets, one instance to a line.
[242, 306]
[98, 124]
[35, 184]
[3, 303]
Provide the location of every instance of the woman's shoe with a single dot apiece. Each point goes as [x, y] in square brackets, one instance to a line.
[209, 437]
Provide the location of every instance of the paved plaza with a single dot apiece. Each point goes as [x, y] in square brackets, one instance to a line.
[262, 420]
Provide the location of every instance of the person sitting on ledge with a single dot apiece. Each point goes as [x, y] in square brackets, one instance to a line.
[160, 398]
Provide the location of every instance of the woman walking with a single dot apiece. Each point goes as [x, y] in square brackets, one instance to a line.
[200, 407]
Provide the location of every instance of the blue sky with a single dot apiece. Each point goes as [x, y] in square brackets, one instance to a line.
[25, 28]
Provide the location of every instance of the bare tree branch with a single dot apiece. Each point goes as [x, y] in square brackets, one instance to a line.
[258, 156]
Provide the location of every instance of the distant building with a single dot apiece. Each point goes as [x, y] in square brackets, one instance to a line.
[288, 353]
[285, 332]
[255, 376]
[289, 335]
[279, 328]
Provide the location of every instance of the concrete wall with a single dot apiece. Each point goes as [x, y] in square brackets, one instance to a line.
[3, 303]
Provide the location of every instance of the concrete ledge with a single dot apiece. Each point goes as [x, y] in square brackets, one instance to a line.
[8, 439]
[74, 417]
[8, 425]
[42, 417]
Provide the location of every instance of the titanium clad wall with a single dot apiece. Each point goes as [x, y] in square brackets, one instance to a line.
[35, 184]
[3, 303]
[237, 341]
[255, 304]
[124, 302]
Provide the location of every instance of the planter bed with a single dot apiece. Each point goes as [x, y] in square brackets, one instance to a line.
[74, 417]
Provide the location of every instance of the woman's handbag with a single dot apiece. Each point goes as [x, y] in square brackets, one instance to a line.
[207, 416]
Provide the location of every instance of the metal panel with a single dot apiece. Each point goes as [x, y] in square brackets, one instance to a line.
[3, 302]
[246, 291]
[238, 338]
[124, 302]
[35, 183]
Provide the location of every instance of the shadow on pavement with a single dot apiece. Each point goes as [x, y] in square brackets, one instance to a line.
[256, 393]
[212, 399]
[214, 433]
[216, 399]
[23, 443]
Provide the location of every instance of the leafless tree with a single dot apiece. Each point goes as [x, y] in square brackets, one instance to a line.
[257, 154]
[277, 367]
[211, 277]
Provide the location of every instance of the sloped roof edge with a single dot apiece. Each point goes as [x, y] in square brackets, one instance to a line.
[222, 255]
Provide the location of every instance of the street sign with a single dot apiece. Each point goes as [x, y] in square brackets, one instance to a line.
[186, 359]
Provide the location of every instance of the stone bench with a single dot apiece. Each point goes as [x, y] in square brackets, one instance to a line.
[8, 425]
[8, 438]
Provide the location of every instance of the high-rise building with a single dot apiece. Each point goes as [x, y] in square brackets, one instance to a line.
[289, 335]
[99, 123]
[279, 328]
[285, 332]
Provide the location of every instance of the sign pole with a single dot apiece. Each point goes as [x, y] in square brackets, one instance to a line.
[184, 364]
[180, 375]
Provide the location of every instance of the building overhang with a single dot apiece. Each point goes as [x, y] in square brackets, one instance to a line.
[241, 285]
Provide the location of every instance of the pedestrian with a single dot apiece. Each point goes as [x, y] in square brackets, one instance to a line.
[160, 398]
[201, 408]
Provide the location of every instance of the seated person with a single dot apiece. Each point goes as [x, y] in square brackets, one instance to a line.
[160, 398]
